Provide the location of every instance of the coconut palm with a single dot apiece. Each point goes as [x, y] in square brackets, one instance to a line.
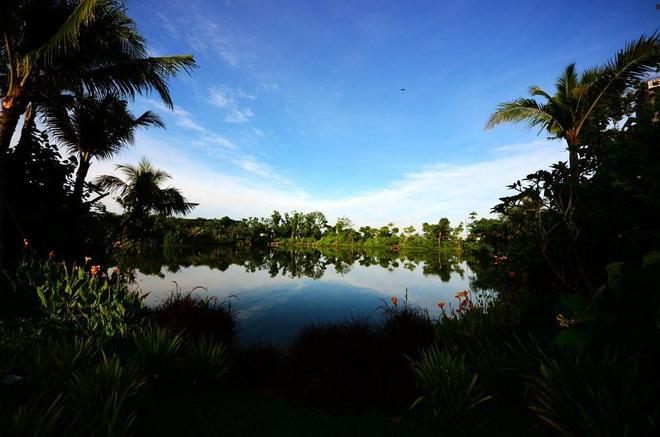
[141, 194]
[577, 97]
[74, 44]
[95, 128]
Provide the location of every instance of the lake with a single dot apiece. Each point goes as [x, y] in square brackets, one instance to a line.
[280, 291]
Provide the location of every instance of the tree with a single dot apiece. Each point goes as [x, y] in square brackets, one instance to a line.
[577, 97]
[141, 194]
[89, 44]
[95, 128]
[577, 105]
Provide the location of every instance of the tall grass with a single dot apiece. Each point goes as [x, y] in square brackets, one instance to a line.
[197, 316]
[449, 389]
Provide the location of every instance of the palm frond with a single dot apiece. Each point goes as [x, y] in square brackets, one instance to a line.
[67, 37]
[536, 91]
[636, 60]
[148, 119]
[523, 110]
[138, 76]
[112, 184]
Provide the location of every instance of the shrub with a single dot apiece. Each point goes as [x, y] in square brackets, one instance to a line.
[407, 328]
[196, 316]
[39, 417]
[206, 360]
[50, 363]
[448, 387]
[156, 349]
[594, 394]
[337, 362]
[100, 396]
[88, 301]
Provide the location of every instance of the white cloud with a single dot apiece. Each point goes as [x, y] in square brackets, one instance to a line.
[220, 97]
[239, 116]
[435, 191]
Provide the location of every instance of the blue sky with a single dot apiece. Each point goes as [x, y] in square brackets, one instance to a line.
[297, 104]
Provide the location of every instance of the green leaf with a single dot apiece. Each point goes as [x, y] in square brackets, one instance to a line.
[572, 338]
[574, 302]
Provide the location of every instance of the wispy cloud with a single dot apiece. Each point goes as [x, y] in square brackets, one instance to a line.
[438, 190]
[224, 97]
[239, 116]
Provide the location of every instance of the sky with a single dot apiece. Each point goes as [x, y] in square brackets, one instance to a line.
[299, 104]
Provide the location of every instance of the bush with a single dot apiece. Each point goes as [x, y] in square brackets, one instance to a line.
[156, 350]
[338, 362]
[100, 397]
[196, 316]
[87, 301]
[206, 360]
[594, 394]
[39, 417]
[449, 389]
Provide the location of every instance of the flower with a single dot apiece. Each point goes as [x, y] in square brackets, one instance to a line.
[26, 243]
[51, 254]
[88, 259]
[462, 294]
[116, 270]
[394, 300]
[441, 305]
[95, 270]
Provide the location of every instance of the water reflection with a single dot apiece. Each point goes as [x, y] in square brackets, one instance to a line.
[282, 290]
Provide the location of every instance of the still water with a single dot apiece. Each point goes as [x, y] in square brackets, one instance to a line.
[278, 292]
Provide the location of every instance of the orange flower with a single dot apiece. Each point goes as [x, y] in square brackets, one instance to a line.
[394, 300]
[462, 294]
[441, 305]
[95, 270]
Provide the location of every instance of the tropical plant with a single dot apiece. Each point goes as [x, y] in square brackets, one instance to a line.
[100, 397]
[197, 316]
[141, 193]
[89, 301]
[577, 98]
[41, 416]
[206, 360]
[52, 360]
[449, 389]
[92, 127]
[594, 394]
[91, 44]
[156, 349]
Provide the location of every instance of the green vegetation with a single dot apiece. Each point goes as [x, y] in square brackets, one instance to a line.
[568, 344]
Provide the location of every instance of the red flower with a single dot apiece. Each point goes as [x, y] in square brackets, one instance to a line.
[394, 300]
[441, 305]
[95, 270]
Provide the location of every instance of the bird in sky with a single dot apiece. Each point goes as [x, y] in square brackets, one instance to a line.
[403, 89]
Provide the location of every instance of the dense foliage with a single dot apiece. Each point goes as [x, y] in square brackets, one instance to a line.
[569, 343]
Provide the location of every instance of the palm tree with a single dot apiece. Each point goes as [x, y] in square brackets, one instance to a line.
[577, 97]
[95, 128]
[141, 193]
[74, 44]
[573, 106]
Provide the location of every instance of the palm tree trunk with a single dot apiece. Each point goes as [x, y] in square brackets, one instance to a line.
[9, 117]
[25, 143]
[79, 183]
[8, 120]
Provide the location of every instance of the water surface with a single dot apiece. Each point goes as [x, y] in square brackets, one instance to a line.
[279, 292]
